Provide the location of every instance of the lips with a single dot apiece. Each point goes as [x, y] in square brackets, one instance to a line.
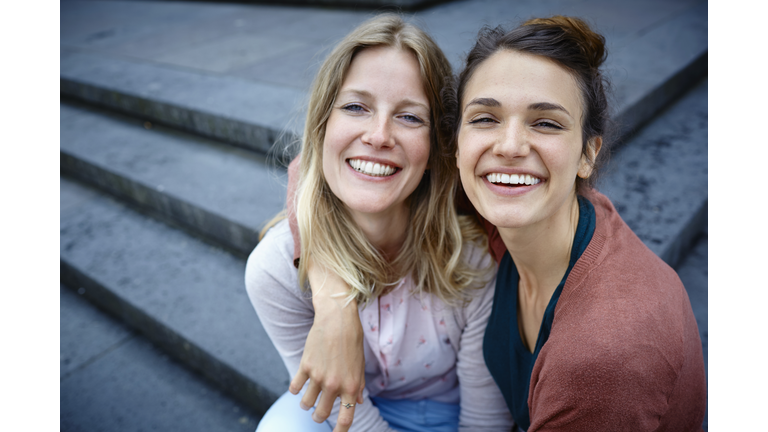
[374, 169]
[512, 179]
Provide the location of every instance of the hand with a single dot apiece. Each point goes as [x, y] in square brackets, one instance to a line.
[333, 359]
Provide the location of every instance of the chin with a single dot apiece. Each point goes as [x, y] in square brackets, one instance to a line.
[369, 206]
[507, 218]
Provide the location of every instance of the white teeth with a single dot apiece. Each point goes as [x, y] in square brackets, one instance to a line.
[513, 179]
[372, 169]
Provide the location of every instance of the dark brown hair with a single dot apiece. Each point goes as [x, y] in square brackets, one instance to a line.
[573, 45]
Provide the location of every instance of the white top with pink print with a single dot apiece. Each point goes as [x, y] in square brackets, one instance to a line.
[408, 354]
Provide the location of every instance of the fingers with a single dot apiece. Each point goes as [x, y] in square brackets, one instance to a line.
[349, 399]
[346, 415]
[308, 400]
[298, 381]
[362, 387]
[325, 405]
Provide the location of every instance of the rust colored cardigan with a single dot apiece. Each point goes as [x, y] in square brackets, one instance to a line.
[624, 352]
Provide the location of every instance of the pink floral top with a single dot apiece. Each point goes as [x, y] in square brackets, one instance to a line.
[408, 354]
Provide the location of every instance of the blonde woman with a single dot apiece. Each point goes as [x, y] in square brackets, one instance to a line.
[375, 207]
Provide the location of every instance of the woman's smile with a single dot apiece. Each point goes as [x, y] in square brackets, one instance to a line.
[514, 184]
[373, 169]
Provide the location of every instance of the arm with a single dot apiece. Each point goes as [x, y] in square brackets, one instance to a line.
[333, 360]
[596, 389]
[287, 314]
[482, 405]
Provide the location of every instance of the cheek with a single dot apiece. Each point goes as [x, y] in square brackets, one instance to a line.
[331, 151]
[465, 153]
[337, 137]
[419, 152]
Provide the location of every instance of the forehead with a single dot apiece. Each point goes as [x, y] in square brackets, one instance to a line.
[389, 70]
[516, 78]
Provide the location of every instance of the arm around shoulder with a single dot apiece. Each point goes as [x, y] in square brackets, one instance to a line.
[287, 314]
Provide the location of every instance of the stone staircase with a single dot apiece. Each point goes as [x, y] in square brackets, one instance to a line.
[169, 110]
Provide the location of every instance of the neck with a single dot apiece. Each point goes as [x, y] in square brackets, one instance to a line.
[386, 231]
[542, 251]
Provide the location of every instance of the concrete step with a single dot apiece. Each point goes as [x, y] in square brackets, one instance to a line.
[222, 193]
[112, 378]
[183, 294]
[405, 5]
[658, 181]
[240, 73]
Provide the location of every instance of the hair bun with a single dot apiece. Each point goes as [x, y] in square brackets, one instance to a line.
[591, 43]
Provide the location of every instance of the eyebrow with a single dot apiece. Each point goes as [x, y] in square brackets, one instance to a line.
[538, 106]
[488, 102]
[367, 94]
[547, 106]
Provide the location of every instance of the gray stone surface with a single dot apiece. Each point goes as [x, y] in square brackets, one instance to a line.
[85, 334]
[249, 114]
[661, 65]
[223, 193]
[694, 272]
[184, 295]
[360, 4]
[112, 379]
[658, 180]
[240, 73]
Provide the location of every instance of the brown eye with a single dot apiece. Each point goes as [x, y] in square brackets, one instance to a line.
[482, 120]
[549, 125]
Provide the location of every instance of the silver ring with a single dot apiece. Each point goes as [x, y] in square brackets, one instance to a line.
[347, 405]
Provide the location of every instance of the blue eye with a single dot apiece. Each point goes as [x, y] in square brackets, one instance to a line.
[352, 108]
[412, 119]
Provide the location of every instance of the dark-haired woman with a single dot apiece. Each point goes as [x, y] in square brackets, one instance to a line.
[590, 331]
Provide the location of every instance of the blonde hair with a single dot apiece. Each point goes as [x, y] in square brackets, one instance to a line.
[435, 235]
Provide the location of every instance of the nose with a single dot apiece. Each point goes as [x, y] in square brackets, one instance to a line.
[513, 142]
[379, 133]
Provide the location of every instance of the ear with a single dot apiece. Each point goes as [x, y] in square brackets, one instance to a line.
[457, 156]
[587, 160]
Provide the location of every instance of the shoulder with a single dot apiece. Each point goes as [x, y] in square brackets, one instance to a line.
[272, 259]
[619, 274]
[276, 244]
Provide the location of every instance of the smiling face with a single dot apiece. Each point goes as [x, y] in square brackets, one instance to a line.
[376, 144]
[520, 140]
